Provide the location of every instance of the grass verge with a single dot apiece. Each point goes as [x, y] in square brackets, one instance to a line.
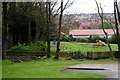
[47, 68]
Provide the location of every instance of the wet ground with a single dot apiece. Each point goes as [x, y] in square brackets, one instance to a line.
[110, 70]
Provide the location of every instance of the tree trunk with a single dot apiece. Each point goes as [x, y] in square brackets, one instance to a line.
[111, 54]
[101, 17]
[116, 23]
[48, 16]
[29, 31]
[106, 36]
[37, 35]
[15, 38]
[4, 31]
[59, 32]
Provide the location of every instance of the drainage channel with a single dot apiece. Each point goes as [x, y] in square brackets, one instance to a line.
[79, 69]
[86, 68]
[107, 72]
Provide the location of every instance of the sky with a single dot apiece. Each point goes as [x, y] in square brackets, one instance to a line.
[89, 6]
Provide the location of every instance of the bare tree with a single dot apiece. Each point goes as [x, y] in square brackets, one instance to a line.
[60, 22]
[100, 12]
[110, 22]
[116, 12]
[62, 8]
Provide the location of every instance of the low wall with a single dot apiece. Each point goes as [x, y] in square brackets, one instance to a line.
[30, 54]
[65, 54]
[19, 56]
[25, 53]
[33, 53]
[102, 55]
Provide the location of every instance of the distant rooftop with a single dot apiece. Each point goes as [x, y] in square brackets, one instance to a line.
[90, 32]
[87, 24]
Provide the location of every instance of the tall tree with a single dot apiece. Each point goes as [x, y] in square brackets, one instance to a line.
[40, 19]
[61, 8]
[48, 25]
[116, 11]
[4, 30]
[100, 12]
[59, 31]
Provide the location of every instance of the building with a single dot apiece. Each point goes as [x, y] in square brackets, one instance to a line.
[89, 25]
[86, 33]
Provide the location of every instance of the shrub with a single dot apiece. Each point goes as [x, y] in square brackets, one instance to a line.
[77, 55]
[94, 38]
[20, 47]
[113, 39]
[67, 38]
[42, 45]
[84, 40]
[39, 46]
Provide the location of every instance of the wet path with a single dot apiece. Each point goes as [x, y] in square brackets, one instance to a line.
[110, 70]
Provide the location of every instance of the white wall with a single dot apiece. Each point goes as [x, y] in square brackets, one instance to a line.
[87, 36]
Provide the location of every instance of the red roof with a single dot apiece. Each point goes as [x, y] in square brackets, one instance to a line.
[90, 32]
[87, 24]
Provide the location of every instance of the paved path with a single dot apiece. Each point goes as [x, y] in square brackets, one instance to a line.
[111, 69]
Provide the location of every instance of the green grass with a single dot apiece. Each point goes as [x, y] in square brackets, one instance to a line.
[84, 47]
[47, 68]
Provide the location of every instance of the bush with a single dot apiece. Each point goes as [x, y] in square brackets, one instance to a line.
[67, 38]
[94, 38]
[113, 39]
[39, 46]
[20, 47]
[77, 55]
[84, 40]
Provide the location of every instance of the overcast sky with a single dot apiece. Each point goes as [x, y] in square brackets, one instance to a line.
[89, 6]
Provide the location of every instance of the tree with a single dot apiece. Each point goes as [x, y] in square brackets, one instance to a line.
[48, 25]
[62, 8]
[116, 12]
[39, 19]
[100, 12]
[59, 32]
[107, 25]
[4, 30]
[30, 17]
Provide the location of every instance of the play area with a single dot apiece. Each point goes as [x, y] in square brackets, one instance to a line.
[99, 46]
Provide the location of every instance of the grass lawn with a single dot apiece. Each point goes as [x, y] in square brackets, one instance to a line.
[47, 68]
[84, 47]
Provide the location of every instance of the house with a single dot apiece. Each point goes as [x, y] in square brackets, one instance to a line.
[89, 25]
[86, 33]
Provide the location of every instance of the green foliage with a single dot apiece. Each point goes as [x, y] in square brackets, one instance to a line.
[114, 39]
[107, 26]
[78, 55]
[84, 40]
[20, 47]
[42, 45]
[94, 38]
[18, 21]
[39, 46]
[67, 38]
